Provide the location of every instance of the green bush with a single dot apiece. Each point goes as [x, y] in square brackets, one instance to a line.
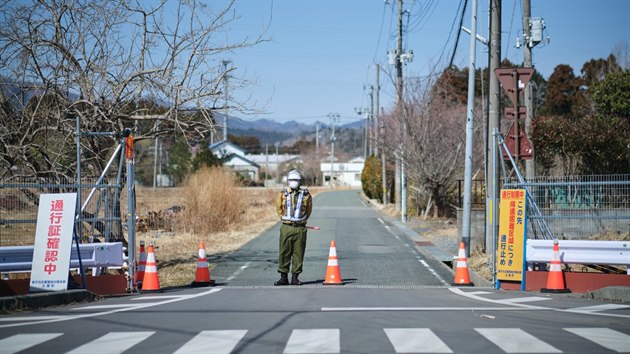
[371, 178]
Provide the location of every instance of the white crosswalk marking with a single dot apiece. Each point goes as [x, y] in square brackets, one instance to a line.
[313, 341]
[20, 342]
[215, 342]
[416, 340]
[113, 342]
[319, 341]
[606, 337]
[515, 340]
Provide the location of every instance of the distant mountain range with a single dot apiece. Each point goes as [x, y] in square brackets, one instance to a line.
[270, 132]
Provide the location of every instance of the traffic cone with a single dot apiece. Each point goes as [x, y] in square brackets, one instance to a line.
[461, 272]
[332, 271]
[151, 281]
[141, 266]
[555, 280]
[202, 275]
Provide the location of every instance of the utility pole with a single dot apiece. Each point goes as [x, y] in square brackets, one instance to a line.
[334, 117]
[470, 115]
[528, 90]
[399, 94]
[494, 120]
[370, 124]
[225, 111]
[379, 130]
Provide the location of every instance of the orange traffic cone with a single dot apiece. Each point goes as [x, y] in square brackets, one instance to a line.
[332, 271]
[202, 276]
[555, 280]
[141, 266]
[461, 272]
[151, 281]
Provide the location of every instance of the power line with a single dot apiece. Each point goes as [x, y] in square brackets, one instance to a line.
[461, 21]
[450, 33]
[380, 32]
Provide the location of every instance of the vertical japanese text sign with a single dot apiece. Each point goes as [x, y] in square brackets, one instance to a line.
[512, 233]
[53, 242]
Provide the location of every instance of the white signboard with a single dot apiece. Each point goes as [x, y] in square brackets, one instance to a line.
[53, 242]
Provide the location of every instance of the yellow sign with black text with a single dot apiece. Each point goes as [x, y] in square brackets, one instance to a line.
[512, 228]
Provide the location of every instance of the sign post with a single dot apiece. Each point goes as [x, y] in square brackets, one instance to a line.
[53, 242]
[511, 260]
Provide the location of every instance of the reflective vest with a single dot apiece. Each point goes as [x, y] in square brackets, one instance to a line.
[297, 212]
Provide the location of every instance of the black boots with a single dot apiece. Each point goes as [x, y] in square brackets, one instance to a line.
[283, 280]
[294, 280]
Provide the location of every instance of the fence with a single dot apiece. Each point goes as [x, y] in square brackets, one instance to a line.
[579, 207]
[100, 220]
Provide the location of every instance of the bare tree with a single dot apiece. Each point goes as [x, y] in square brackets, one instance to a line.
[429, 133]
[155, 67]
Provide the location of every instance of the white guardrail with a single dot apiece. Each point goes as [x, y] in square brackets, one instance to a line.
[580, 252]
[106, 255]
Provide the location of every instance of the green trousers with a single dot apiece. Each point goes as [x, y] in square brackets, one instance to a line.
[292, 246]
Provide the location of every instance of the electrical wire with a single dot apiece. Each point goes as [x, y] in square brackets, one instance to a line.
[380, 33]
[450, 33]
[459, 31]
[507, 48]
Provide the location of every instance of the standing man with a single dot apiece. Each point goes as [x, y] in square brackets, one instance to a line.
[294, 206]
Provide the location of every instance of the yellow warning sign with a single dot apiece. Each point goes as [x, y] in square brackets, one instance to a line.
[512, 228]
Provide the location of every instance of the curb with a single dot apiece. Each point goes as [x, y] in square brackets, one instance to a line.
[41, 300]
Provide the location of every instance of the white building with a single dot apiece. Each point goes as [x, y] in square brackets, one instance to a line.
[343, 173]
[236, 159]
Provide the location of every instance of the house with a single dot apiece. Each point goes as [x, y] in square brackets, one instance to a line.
[275, 165]
[343, 173]
[236, 160]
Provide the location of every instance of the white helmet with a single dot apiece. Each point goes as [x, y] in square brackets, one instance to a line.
[293, 174]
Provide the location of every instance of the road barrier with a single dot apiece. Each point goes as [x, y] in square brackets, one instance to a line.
[580, 252]
[105, 255]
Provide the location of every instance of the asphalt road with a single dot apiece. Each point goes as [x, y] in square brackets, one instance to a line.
[395, 300]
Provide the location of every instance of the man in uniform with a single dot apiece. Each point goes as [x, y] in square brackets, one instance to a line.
[294, 205]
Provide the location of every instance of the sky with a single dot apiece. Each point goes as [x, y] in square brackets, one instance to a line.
[321, 55]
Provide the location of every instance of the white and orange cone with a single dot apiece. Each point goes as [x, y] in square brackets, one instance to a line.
[333, 277]
[461, 272]
[141, 266]
[151, 280]
[202, 275]
[555, 279]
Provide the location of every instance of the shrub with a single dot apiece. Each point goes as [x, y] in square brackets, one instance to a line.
[371, 178]
[213, 201]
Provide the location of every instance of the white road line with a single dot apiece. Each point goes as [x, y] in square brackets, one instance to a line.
[525, 299]
[29, 318]
[235, 274]
[100, 307]
[159, 297]
[313, 341]
[381, 221]
[358, 309]
[472, 295]
[20, 342]
[432, 271]
[112, 342]
[216, 342]
[605, 337]
[95, 314]
[595, 308]
[415, 340]
[515, 340]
